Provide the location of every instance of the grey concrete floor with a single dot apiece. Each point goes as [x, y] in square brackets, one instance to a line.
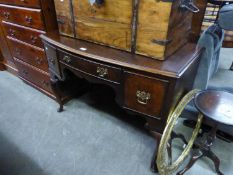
[93, 136]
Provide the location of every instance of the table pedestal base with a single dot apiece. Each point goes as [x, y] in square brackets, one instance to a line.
[204, 150]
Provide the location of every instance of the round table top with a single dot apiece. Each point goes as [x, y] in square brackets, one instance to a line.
[216, 105]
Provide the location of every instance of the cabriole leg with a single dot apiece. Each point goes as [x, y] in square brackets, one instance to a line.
[56, 90]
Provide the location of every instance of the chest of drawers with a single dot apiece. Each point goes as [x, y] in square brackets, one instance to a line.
[22, 22]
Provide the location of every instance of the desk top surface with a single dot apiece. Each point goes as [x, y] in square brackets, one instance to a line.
[216, 105]
[174, 66]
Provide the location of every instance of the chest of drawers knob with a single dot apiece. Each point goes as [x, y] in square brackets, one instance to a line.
[12, 32]
[39, 61]
[143, 97]
[6, 15]
[102, 72]
[18, 51]
[67, 59]
[33, 39]
[28, 19]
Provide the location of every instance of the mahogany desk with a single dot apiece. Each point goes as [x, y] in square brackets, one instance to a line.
[144, 86]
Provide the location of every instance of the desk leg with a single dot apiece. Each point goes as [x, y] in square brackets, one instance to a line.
[56, 90]
[231, 67]
[153, 126]
[157, 136]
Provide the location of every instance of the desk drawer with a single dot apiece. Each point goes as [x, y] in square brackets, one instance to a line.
[25, 3]
[28, 54]
[144, 94]
[33, 75]
[92, 68]
[23, 16]
[28, 35]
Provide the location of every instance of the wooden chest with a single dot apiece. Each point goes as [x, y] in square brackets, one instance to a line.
[155, 28]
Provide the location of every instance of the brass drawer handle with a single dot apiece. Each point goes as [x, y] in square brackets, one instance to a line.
[102, 72]
[28, 19]
[143, 97]
[67, 59]
[33, 39]
[39, 61]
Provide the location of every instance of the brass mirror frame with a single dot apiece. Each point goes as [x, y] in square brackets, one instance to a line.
[163, 167]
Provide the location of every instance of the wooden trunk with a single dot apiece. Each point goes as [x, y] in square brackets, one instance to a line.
[148, 27]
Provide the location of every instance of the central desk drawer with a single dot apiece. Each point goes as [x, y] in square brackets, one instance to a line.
[92, 68]
[144, 94]
[23, 16]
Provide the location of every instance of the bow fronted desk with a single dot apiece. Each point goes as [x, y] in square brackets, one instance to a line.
[147, 87]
